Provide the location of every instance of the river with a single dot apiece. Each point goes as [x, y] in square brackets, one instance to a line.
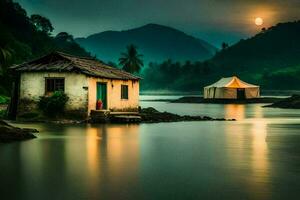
[255, 157]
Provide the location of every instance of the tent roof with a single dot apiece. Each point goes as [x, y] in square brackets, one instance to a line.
[231, 82]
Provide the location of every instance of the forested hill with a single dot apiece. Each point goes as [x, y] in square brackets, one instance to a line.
[27, 38]
[156, 42]
[23, 38]
[272, 55]
[270, 59]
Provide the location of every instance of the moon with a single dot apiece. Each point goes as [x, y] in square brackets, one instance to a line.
[259, 21]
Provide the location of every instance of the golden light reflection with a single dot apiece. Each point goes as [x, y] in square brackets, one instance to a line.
[123, 151]
[93, 150]
[235, 111]
[260, 162]
[247, 151]
[104, 154]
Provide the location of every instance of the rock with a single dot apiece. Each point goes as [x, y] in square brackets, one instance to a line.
[10, 133]
[151, 115]
[291, 102]
[149, 110]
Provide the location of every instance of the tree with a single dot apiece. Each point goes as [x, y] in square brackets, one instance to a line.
[112, 64]
[5, 54]
[131, 61]
[224, 45]
[64, 36]
[42, 23]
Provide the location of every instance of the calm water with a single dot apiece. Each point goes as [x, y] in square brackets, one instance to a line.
[256, 157]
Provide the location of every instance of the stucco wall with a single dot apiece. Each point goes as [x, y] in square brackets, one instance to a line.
[32, 86]
[114, 101]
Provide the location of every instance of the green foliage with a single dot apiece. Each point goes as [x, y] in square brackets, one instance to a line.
[131, 61]
[53, 105]
[23, 38]
[29, 115]
[65, 37]
[171, 75]
[3, 114]
[65, 43]
[269, 59]
[41, 23]
[4, 99]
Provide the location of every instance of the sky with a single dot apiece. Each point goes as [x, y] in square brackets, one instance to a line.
[215, 21]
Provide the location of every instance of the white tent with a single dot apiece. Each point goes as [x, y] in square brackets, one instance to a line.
[231, 88]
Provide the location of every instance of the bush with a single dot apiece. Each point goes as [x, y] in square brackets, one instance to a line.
[29, 115]
[53, 105]
[4, 100]
[2, 114]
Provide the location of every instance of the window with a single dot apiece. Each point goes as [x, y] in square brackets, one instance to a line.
[124, 91]
[55, 84]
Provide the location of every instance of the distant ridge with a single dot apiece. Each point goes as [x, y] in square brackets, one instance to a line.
[155, 42]
[270, 59]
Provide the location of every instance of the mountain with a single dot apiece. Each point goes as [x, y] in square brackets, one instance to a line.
[270, 59]
[22, 40]
[155, 42]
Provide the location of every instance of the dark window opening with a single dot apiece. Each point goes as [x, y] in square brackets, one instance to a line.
[124, 91]
[55, 84]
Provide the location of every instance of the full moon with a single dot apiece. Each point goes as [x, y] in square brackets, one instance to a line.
[259, 21]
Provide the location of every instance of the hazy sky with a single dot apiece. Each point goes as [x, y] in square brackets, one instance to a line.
[212, 20]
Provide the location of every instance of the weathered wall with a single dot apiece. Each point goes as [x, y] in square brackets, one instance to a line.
[114, 101]
[32, 86]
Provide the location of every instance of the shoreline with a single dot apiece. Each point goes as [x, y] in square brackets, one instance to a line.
[10, 133]
[145, 116]
[201, 100]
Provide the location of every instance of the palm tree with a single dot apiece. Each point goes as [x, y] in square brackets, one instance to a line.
[131, 61]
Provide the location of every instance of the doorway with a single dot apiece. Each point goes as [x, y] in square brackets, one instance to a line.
[241, 93]
[102, 94]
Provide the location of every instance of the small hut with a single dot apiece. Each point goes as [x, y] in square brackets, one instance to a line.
[231, 88]
[84, 80]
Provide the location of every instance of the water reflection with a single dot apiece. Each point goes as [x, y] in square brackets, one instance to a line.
[90, 161]
[247, 150]
[234, 111]
[111, 153]
[260, 159]
[186, 160]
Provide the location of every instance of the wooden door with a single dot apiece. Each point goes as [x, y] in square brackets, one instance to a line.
[102, 94]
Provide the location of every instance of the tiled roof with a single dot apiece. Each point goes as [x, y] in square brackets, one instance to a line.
[61, 62]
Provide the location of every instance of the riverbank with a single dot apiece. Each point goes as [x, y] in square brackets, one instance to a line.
[292, 102]
[151, 115]
[146, 115]
[197, 99]
[9, 133]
